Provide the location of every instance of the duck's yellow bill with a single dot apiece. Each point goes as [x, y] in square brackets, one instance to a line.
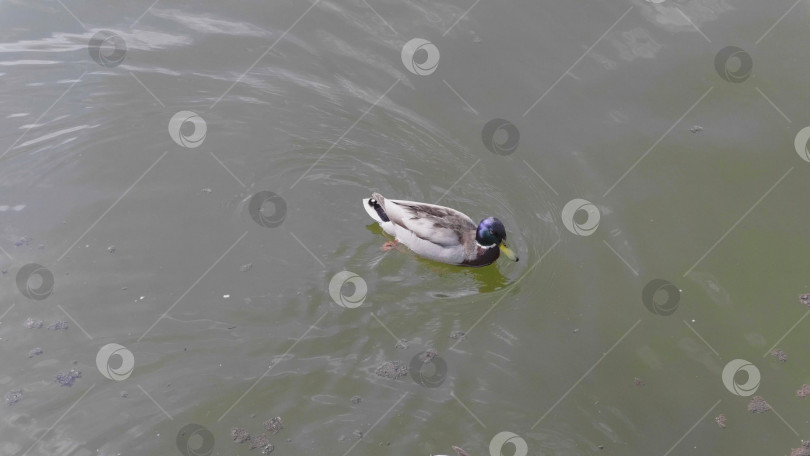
[508, 252]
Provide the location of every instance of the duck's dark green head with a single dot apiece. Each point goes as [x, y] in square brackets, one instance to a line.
[491, 232]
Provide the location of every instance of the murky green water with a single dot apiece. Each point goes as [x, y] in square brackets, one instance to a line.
[692, 176]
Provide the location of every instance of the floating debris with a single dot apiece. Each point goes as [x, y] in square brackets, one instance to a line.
[458, 335]
[392, 370]
[246, 267]
[805, 299]
[111, 249]
[14, 396]
[273, 425]
[58, 325]
[637, 381]
[34, 352]
[124, 394]
[33, 323]
[696, 129]
[779, 354]
[206, 190]
[459, 451]
[721, 420]
[259, 441]
[803, 450]
[356, 399]
[68, 377]
[428, 355]
[358, 434]
[758, 405]
[25, 240]
[401, 344]
[240, 435]
[262, 443]
[804, 391]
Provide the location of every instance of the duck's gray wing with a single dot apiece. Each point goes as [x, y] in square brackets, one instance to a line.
[437, 224]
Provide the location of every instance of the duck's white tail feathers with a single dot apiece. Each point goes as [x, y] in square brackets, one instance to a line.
[374, 209]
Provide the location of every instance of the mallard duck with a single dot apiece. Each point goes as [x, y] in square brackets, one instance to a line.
[440, 233]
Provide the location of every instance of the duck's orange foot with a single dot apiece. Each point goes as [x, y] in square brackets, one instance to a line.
[389, 245]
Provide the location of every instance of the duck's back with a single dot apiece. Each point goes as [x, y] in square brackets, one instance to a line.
[435, 232]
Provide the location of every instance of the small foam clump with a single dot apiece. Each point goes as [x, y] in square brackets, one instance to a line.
[779, 354]
[240, 435]
[14, 396]
[58, 325]
[803, 450]
[428, 355]
[392, 370]
[758, 405]
[273, 425]
[262, 443]
[804, 391]
[68, 377]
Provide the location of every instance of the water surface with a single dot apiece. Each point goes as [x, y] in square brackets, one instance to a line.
[152, 246]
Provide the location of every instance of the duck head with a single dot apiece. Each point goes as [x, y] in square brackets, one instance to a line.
[491, 232]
